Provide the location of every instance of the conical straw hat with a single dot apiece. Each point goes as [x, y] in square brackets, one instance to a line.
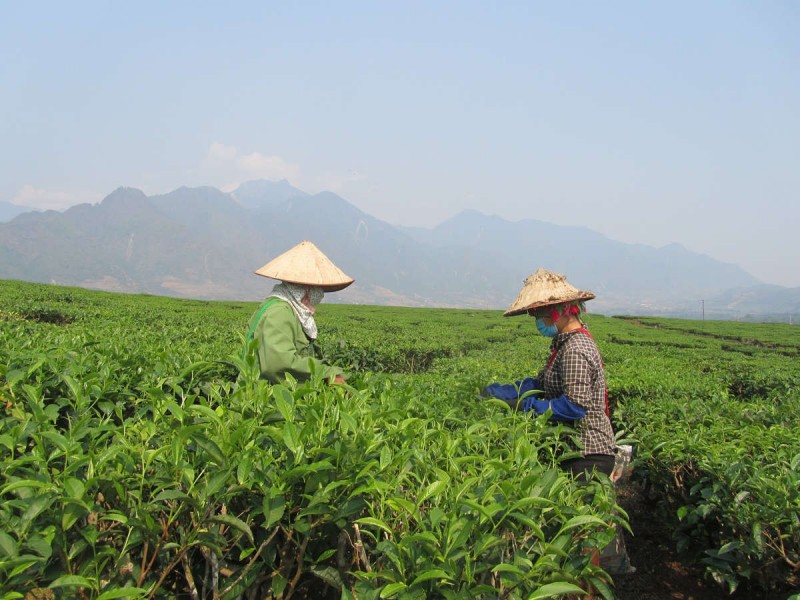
[544, 288]
[306, 264]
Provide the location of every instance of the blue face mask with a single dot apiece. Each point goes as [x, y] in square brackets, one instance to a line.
[546, 330]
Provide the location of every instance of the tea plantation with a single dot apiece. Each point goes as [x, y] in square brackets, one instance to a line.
[142, 456]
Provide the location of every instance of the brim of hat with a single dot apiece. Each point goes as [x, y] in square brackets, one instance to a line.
[581, 297]
[330, 287]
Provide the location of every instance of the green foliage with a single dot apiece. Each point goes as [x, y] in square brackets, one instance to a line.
[142, 456]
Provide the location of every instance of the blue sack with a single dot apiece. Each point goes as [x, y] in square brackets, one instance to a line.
[512, 391]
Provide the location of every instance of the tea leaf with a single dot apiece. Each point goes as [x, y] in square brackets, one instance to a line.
[205, 411]
[19, 564]
[235, 523]
[273, 508]
[71, 581]
[431, 574]
[8, 546]
[71, 513]
[131, 592]
[74, 488]
[582, 520]
[210, 446]
[391, 590]
[552, 590]
[374, 522]
[27, 484]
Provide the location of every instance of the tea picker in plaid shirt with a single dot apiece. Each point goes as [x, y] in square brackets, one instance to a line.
[572, 384]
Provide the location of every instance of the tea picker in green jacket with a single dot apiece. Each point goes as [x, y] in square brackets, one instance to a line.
[284, 326]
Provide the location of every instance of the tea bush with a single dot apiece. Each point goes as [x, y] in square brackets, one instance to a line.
[143, 457]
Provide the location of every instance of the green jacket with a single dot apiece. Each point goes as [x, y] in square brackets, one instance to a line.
[283, 346]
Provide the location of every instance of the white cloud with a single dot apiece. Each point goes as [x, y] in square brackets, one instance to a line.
[232, 164]
[221, 153]
[33, 197]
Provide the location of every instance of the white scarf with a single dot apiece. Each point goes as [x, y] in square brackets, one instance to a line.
[293, 294]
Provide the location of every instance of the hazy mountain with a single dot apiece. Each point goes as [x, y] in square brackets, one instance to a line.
[8, 211]
[123, 243]
[203, 243]
[760, 302]
[625, 277]
[265, 194]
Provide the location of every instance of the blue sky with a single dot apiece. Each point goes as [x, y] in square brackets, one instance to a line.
[651, 123]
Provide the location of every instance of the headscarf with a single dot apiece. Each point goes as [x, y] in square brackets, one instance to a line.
[293, 293]
[556, 311]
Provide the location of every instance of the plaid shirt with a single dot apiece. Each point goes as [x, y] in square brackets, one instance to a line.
[576, 369]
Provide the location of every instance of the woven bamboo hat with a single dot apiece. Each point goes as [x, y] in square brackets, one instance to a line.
[545, 288]
[307, 265]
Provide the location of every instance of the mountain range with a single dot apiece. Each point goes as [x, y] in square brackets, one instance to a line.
[204, 243]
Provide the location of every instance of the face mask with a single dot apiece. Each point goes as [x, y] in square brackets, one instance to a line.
[315, 294]
[546, 330]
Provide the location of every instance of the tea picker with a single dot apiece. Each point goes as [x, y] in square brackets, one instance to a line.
[283, 327]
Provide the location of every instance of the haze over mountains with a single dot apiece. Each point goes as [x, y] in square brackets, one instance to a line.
[204, 243]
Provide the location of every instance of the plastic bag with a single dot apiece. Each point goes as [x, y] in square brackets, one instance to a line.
[623, 463]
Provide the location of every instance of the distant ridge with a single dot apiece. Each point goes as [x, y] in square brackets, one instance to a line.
[205, 243]
[8, 211]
